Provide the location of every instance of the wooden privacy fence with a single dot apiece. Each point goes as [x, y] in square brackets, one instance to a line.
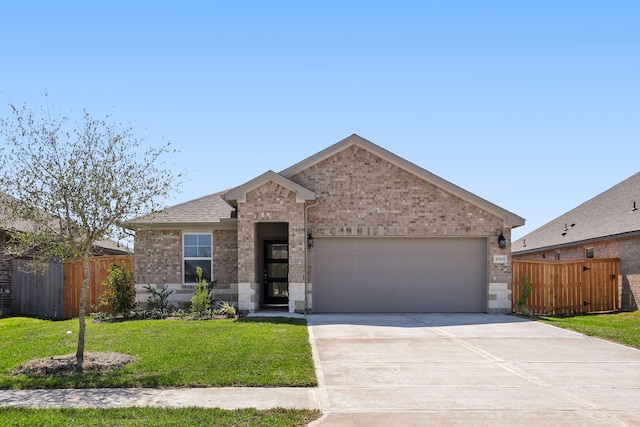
[98, 271]
[567, 287]
[35, 293]
[55, 293]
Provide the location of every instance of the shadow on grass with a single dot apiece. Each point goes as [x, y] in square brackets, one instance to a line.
[275, 320]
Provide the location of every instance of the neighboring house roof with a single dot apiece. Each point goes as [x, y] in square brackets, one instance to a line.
[510, 219]
[8, 226]
[240, 193]
[608, 215]
[204, 210]
[214, 209]
[7, 223]
[109, 247]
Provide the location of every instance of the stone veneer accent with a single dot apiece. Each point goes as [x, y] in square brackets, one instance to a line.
[626, 249]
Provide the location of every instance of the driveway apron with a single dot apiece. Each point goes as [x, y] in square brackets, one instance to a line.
[469, 369]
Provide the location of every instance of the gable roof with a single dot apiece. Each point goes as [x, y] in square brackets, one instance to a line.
[239, 194]
[510, 219]
[608, 215]
[203, 210]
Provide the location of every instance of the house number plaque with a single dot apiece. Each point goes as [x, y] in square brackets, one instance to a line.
[499, 259]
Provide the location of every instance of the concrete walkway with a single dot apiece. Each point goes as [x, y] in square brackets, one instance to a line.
[218, 397]
[425, 369]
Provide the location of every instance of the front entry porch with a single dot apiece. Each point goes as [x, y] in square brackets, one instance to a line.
[275, 265]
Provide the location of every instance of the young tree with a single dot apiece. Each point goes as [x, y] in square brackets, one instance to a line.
[75, 183]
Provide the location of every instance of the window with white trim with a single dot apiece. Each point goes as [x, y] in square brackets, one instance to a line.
[196, 251]
[588, 253]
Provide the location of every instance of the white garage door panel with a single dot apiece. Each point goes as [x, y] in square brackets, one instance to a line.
[399, 275]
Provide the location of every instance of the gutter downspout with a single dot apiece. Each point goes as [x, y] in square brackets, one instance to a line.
[306, 255]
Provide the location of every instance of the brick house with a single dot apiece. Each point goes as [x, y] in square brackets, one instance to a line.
[353, 228]
[607, 226]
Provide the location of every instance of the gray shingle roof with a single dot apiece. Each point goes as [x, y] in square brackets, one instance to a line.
[606, 215]
[204, 210]
[213, 208]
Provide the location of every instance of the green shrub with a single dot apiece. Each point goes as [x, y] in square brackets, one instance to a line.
[201, 300]
[158, 300]
[524, 294]
[223, 308]
[121, 292]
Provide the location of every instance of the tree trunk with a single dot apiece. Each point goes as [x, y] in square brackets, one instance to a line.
[82, 312]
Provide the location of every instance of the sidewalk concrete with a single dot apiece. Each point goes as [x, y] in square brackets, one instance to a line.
[219, 397]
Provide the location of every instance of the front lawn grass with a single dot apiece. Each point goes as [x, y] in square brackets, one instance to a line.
[260, 352]
[21, 417]
[623, 328]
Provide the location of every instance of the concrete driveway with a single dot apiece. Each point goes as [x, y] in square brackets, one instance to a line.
[469, 369]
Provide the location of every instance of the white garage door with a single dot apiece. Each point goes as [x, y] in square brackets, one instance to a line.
[394, 275]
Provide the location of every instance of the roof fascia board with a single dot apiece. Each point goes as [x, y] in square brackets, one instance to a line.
[227, 224]
[239, 194]
[511, 220]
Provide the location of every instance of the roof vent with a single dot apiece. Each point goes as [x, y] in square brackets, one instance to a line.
[634, 207]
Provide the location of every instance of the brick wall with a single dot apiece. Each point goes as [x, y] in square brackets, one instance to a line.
[158, 257]
[225, 256]
[627, 250]
[5, 276]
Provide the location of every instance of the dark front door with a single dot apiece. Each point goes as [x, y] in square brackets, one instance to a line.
[276, 272]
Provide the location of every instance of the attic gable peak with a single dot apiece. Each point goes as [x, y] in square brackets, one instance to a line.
[239, 194]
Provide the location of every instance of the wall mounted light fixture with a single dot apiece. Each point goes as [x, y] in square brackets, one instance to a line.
[502, 242]
[309, 240]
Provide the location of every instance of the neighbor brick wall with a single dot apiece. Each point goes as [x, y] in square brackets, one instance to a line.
[5, 275]
[361, 194]
[626, 249]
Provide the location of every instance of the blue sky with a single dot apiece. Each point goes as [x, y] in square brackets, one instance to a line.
[534, 106]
